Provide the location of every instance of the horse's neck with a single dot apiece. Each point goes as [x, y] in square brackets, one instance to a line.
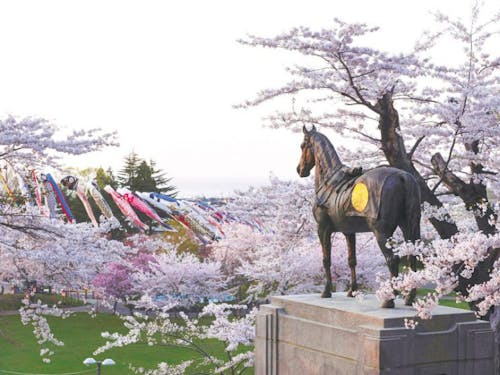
[327, 161]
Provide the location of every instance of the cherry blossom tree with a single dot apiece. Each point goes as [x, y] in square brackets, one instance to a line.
[461, 264]
[436, 120]
[354, 89]
[82, 255]
[35, 247]
[35, 141]
[180, 278]
[170, 282]
[272, 249]
[281, 254]
[115, 283]
[406, 109]
[216, 321]
[65, 256]
[53, 253]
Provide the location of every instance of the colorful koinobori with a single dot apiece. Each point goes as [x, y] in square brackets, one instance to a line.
[42, 191]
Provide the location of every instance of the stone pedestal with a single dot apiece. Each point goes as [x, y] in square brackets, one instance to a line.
[308, 335]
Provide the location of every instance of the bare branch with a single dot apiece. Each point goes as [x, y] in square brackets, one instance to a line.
[354, 87]
[414, 148]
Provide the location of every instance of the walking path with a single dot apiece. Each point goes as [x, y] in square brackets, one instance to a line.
[120, 309]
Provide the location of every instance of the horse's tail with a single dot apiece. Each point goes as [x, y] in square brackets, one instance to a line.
[411, 226]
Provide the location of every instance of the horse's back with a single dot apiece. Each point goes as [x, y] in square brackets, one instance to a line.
[363, 196]
[381, 173]
[376, 195]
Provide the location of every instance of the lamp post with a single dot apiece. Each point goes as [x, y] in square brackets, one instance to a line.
[92, 361]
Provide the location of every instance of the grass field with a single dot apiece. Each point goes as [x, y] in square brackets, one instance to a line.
[13, 301]
[19, 351]
[449, 300]
[453, 303]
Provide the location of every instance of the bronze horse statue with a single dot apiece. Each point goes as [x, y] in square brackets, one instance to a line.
[348, 201]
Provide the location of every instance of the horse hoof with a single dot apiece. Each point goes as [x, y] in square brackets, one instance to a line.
[409, 301]
[326, 294]
[388, 304]
[410, 298]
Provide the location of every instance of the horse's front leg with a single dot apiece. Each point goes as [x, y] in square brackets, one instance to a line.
[325, 233]
[351, 257]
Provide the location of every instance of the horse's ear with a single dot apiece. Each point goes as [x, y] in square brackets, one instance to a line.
[304, 129]
[313, 129]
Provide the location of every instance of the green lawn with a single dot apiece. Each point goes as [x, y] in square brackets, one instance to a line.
[19, 351]
[449, 300]
[453, 303]
[81, 335]
[14, 301]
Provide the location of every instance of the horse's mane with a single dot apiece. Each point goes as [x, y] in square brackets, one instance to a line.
[325, 152]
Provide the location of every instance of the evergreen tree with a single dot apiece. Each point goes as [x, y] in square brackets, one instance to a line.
[145, 180]
[163, 184]
[139, 175]
[127, 176]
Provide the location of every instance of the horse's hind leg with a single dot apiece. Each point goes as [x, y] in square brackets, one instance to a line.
[411, 234]
[351, 257]
[391, 260]
[410, 298]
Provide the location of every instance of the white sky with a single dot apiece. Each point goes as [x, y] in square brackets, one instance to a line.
[165, 74]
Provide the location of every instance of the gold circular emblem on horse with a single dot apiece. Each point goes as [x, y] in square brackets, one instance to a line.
[359, 196]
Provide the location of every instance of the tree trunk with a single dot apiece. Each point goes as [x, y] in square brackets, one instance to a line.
[130, 308]
[473, 194]
[395, 153]
[480, 275]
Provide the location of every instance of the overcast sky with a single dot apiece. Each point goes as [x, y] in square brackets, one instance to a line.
[165, 74]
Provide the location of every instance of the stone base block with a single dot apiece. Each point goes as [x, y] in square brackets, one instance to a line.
[308, 335]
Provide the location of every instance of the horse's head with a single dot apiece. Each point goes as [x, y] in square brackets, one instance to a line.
[306, 162]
